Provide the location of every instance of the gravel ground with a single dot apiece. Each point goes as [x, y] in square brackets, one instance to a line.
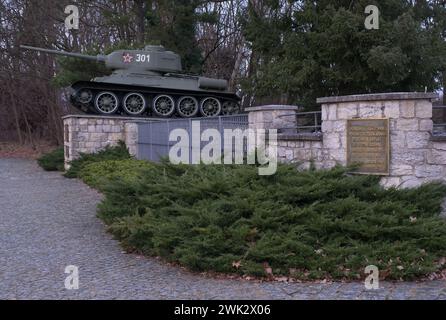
[48, 222]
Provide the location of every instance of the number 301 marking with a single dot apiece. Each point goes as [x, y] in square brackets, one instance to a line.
[142, 57]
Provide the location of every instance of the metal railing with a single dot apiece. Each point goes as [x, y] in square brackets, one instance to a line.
[439, 119]
[304, 123]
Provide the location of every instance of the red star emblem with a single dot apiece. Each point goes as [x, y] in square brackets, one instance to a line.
[127, 58]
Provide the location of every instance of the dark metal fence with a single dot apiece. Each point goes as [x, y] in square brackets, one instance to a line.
[153, 137]
[439, 119]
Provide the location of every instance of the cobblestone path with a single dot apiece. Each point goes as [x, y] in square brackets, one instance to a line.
[48, 222]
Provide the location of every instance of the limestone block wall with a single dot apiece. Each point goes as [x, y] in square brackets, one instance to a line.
[89, 133]
[272, 117]
[304, 150]
[410, 124]
[415, 155]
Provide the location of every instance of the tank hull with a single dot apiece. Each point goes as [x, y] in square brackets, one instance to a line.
[168, 81]
[149, 93]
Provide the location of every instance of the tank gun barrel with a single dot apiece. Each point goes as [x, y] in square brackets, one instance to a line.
[64, 53]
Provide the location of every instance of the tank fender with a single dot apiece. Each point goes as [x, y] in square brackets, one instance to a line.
[209, 83]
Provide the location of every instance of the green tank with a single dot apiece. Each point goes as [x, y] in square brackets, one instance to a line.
[149, 82]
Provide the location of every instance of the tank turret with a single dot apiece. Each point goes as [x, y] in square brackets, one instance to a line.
[148, 82]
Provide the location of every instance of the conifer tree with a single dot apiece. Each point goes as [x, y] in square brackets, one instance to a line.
[310, 49]
[170, 23]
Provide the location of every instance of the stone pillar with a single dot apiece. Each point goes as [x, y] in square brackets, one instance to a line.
[131, 137]
[272, 117]
[410, 131]
[69, 145]
[91, 133]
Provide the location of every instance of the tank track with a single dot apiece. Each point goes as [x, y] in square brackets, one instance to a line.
[138, 101]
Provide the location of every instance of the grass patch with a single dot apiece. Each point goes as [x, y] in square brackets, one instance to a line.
[307, 225]
[52, 161]
[118, 152]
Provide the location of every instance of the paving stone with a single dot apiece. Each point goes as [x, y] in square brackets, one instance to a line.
[48, 222]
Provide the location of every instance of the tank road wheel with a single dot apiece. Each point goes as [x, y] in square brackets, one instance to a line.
[106, 102]
[84, 96]
[187, 106]
[134, 103]
[210, 107]
[163, 105]
[230, 107]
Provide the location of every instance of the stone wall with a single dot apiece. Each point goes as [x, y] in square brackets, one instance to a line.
[272, 116]
[89, 133]
[410, 122]
[302, 149]
[415, 156]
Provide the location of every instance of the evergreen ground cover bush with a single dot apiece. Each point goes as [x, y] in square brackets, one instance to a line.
[307, 225]
[52, 161]
[98, 174]
[118, 152]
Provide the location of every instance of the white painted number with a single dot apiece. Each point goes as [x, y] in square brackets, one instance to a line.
[142, 57]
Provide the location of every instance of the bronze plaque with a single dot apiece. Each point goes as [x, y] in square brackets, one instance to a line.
[368, 145]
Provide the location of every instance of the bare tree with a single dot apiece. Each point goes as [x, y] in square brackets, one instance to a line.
[31, 106]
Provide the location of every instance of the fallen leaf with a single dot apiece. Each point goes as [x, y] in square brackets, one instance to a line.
[281, 279]
[384, 274]
[400, 267]
[432, 276]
